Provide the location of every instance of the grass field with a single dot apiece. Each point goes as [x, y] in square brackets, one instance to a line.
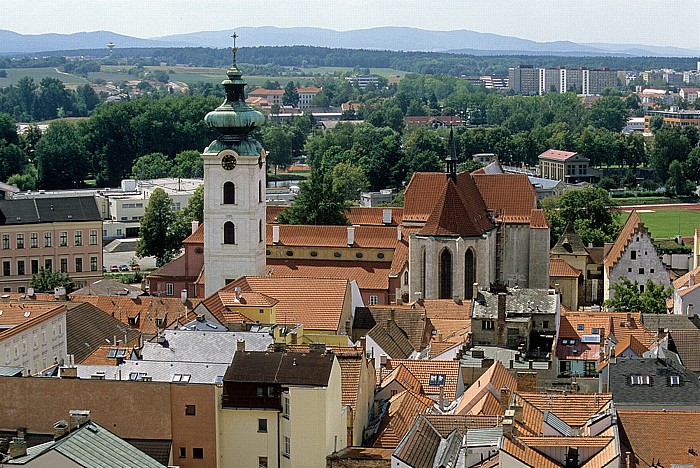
[666, 223]
[189, 75]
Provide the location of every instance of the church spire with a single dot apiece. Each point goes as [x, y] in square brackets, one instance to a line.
[451, 158]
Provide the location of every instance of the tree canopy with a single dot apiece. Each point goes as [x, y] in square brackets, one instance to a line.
[627, 297]
[45, 280]
[159, 233]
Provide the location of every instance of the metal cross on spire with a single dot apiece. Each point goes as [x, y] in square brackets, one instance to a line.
[235, 49]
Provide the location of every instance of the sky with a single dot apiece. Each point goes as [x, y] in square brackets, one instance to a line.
[650, 22]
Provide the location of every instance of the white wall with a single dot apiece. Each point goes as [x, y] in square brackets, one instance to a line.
[35, 348]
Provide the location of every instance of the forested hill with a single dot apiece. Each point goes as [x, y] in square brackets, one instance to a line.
[415, 62]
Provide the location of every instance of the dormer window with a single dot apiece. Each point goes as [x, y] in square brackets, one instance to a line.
[640, 380]
[580, 327]
[675, 380]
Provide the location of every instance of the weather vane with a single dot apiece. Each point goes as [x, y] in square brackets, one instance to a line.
[235, 49]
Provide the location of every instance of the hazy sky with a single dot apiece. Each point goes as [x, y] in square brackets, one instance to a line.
[654, 22]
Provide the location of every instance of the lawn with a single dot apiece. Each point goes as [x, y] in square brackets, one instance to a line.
[668, 223]
[14, 75]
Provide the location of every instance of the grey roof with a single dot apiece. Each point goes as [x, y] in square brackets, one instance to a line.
[560, 426]
[203, 346]
[204, 325]
[484, 437]
[157, 449]
[158, 371]
[107, 287]
[659, 393]
[420, 445]
[313, 368]
[48, 210]
[546, 184]
[94, 446]
[671, 321]
[392, 339]
[519, 303]
[569, 243]
[11, 371]
[504, 355]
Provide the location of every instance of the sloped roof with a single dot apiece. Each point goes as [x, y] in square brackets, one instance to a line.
[412, 321]
[350, 372]
[454, 216]
[446, 423]
[573, 408]
[559, 155]
[420, 445]
[658, 393]
[569, 243]
[403, 409]
[49, 210]
[507, 194]
[685, 343]
[291, 368]
[421, 194]
[422, 370]
[372, 216]
[404, 377]
[632, 225]
[494, 379]
[560, 269]
[369, 275]
[692, 278]
[379, 237]
[538, 220]
[106, 287]
[392, 339]
[197, 237]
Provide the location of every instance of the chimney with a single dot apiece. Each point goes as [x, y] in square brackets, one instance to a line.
[294, 337]
[442, 398]
[195, 226]
[501, 307]
[399, 236]
[504, 399]
[386, 216]
[439, 335]
[240, 345]
[475, 290]
[601, 356]
[237, 291]
[508, 423]
[134, 294]
[59, 293]
[518, 413]
[629, 318]
[275, 234]
[78, 418]
[183, 296]
[60, 428]
[18, 448]
[691, 280]
[351, 235]
[30, 292]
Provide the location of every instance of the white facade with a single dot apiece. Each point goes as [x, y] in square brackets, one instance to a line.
[225, 261]
[36, 347]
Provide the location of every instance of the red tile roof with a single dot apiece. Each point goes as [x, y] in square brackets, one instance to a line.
[455, 216]
[508, 195]
[421, 194]
[266, 92]
[357, 215]
[197, 237]
[380, 237]
[493, 380]
[538, 220]
[404, 377]
[403, 409]
[422, 370]
[369, 275]
[559, 268]
[559, 155]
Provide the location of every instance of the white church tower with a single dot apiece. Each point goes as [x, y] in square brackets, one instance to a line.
[234, 189]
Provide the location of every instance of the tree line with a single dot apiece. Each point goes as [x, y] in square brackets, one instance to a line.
[28, 101]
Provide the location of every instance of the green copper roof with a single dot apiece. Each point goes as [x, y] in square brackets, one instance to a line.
[234, 119]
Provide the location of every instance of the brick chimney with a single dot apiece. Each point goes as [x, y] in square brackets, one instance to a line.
[18, 448]
[195, 226]
[351, 235]
[240, 345]
[501, 307]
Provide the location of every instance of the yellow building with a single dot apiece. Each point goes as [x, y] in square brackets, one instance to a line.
[281, 409]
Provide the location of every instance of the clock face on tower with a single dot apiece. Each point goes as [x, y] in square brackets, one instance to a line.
[228, 162]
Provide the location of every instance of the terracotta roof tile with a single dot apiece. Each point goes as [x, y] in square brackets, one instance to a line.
[197, 237]
[247, 299]
[403, 409]
[572, 408]
[380, 237]
[529, 456]
[369, 275]
[421, 194]
[665, 436]
[493, 380]
[17, 313]
[455, 216]
[559, 155]
[372, 216]
[447, 309]
[690, 279]
[559, 268]
[350, 371]
[392, 339]
[538, 220]
[556, 441]
[100, 356]
[508, 195]
[422, 370]
[412, 321]
[404, 377]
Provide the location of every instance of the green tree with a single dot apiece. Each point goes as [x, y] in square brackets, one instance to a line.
[290, 96]
[678, 183]
[692, 165]
[609, 112]
[27, 180]
[62, 159]
[152, 166]
[188, 164]
[45, 280]
[349, 180]
[53, 99]
[194, 211]
[424, 151]
[628, 298]
[669, 144]
[12, 160]
[159, 233]
[277, 141]
[316, 203]
[87, 98]
[591, 211]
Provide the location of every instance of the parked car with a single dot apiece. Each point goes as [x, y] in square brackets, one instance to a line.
[135, 267]
[104, 269]
[114, 268]
[124, 267]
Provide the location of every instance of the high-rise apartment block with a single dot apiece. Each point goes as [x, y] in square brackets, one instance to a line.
[525, 79]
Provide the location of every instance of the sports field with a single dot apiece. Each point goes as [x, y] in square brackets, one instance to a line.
[667, 222]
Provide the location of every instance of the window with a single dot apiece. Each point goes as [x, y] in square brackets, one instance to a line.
[64, 265]
[20, 241]
[287, 448]
[119, 232]
[270, 390]
[229, 233]
[675, 380]
[63, 238]
[35, 267]
[47, 239]
[5, 241]
[78, 264]
[373, 300]
[262, 425]
[169, 289]
[394, 392]
[262, 462]
[405, 277]
[198, 452]
[34, 240]
[78, 238]
[579, 327]
[545, 324]
[259, 392]
[6, 268]
[260, 230]
[229, 193]
[286, 408]
[487, 325]
[469, 274]
[641, 288]
[93, 236]
[629, 270]
[190, 410]
[641, 271]
[640, 380]
[445, 275]
[93, 263]
[633, 254]
[20, 267]
[651, 270]
[183, 452]
[260, 192]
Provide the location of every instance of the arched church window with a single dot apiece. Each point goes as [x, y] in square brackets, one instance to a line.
[229, 233]
[423, 272]
[260, 192]
[229, 193]
[260, 230]
[469, 273]
[445, 274]
[405, 277]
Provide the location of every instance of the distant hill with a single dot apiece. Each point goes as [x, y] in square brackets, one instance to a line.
[385, 38]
